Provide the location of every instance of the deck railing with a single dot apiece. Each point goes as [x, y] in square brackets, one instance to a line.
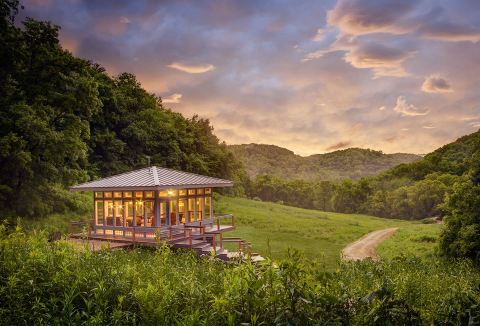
[188, 231]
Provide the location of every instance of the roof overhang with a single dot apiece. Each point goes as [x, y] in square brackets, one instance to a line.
[87, 188]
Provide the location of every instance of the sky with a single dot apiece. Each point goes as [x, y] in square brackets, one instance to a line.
[311, 76]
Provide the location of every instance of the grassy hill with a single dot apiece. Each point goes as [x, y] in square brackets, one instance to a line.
[273, 228]
[352, 163]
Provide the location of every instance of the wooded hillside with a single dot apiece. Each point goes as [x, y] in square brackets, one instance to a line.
[352, 163]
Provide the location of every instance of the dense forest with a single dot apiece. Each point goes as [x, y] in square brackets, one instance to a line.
[65, 120]
[351, 163]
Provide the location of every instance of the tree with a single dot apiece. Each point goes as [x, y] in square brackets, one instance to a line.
[461, 235]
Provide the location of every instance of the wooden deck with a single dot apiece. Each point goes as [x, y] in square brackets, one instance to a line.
[204, 239]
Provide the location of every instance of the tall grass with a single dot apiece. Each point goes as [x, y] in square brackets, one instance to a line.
[51, 283]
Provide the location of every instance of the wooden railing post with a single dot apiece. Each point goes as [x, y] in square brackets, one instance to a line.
[221, 241]
[218, 224]
[215, 244]
[190, 237]
[134, 234]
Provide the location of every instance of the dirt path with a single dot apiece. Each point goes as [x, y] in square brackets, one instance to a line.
[365, 246]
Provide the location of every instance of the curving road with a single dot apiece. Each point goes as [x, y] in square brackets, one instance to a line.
[365, 246]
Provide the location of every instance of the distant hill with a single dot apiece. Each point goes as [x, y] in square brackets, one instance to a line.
[455, 158]
[352, 163]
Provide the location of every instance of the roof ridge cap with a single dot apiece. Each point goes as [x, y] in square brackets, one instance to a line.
[156, 182]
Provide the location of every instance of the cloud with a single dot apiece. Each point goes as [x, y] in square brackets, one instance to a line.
[339, 145]
[435, 84]
[191, 69]
[382, 108]
[174, 98]
[112, 25]
[359, 17]
[428, 127]
[124, 20]
[452, 32]
[321, 32]
[407, 109]
[384, 60]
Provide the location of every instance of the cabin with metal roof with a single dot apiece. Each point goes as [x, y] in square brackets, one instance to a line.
[155, 204]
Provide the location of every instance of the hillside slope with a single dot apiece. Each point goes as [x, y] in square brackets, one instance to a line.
[352, 163]
[273, 228]
[455, 158]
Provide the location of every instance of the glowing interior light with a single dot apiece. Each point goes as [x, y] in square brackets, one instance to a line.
[170, 192]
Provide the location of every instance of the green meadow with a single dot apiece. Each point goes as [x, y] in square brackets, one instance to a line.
[274, 228]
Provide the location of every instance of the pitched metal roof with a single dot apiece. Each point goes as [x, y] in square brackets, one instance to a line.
[152, 178]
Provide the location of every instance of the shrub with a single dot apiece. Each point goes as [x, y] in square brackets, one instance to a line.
[52, 283]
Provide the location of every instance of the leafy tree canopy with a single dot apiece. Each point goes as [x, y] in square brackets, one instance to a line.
[64, 120]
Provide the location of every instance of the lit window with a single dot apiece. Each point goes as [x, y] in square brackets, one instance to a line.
[208, 191]
[107, 194]
[138, 194]
[208, 207]
[99, 194]
[127, 194]
[182, 192]
[163, 193]
[148, 194]
[191, 191]
[117, 194]
[199, 191]
[99, 212]
[172, 193]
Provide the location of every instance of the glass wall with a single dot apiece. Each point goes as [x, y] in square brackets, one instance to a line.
[137, 208]
[182, 211]
[173, 213]
[118, 212]
[208, 207]
[191, 209]
[99, 212]
[149, 213]
[128, 209]
[109, 212]
[200, 204]
[163, 213]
